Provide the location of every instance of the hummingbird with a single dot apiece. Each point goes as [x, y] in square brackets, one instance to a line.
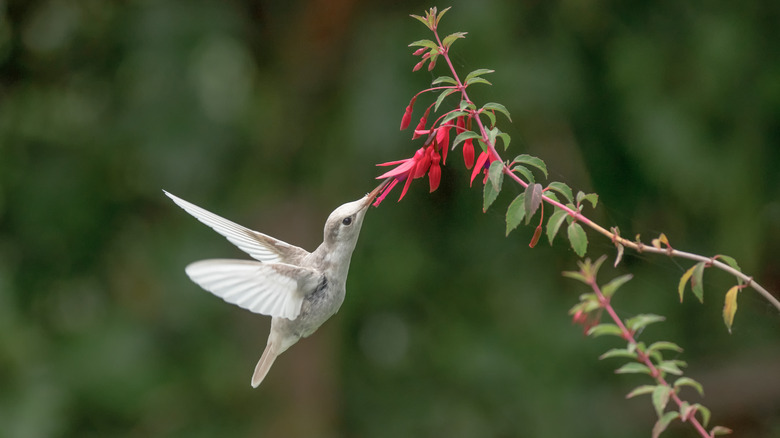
[299, 290]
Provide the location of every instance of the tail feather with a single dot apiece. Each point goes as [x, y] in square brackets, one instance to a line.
[264, 364]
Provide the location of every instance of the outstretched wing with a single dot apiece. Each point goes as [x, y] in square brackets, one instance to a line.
[274, 289]
[258, 245]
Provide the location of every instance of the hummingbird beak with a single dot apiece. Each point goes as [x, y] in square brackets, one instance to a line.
[369, 198]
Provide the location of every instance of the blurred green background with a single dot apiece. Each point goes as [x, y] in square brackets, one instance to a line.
[273, 113]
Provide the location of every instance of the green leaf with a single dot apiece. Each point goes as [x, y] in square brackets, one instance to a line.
[533, 199]
[525, 172]
[633, 368]
[641, 390]
[490, 191]
[561, 188]
[590, 197]
[505, 138]
[730, 306]
[687, 381]
[490, 116]
[554, 224]
[551, 195]
[705, 414]
[610, 288]
[664, 345]
[594, 269]
[578, 239]
[661, 395]
[422, 20]
[730, 261]
[642, 320]
[697, 284]
[605, 329]
[663, 423]
[463, 136]
[670, 366]
[618, 352]
[441, 97]
[492, 134]
[451, 116]
[531, 161]
[444, 80]
[683, 280]
[449, 39]
[425, 43]
[478, 72]
[441, 14]
[473, 81]
[720, 430]
[465, 104]
[497, 107]
[515, 213]
[575, 275]
[496, 174]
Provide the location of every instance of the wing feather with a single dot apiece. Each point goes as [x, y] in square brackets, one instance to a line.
[274, 289]
[258, 245]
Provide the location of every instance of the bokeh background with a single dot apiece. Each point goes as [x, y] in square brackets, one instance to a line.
[273, 113]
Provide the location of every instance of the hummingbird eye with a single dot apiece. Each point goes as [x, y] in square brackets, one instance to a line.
[347, 221]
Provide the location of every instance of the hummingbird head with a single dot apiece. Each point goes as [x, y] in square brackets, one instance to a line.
[343, 225]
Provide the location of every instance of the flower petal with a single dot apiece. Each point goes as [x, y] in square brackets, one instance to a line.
[405, 168]
[443, 140]
[384, 193]
[478, 167]
[434, 174]
[423, 159]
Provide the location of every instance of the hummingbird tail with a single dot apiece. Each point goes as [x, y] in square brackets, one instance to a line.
[266, 360]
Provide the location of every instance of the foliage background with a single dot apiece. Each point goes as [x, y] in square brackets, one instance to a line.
[273, 113]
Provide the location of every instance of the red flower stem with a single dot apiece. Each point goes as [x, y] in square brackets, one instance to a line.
[655, 373]
[577, 216]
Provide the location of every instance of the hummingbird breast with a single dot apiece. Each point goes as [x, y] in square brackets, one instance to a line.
[318, 307]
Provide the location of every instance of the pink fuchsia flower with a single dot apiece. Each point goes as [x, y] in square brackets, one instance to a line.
[443, 140]
[425, 161]
[483, 164]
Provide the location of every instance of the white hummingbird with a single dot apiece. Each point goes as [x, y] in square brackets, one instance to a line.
[298, 289]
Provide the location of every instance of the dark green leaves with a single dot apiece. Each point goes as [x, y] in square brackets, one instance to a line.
[474, 77]
[554, 224]
[610, 288]
[515, 213]
[531, 161]
[493, 185]
[497, 107]
[463, 136]
[449, 39]
[563, 189]
[577, 238]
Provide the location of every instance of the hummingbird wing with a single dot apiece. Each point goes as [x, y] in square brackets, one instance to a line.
[258, 245]
[275, 289]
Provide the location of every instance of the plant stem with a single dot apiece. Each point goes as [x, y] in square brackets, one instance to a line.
[642, 357]
[578, 216]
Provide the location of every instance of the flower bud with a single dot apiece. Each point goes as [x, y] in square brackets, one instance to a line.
[407, 118]
[468, 153]
[434, 174]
